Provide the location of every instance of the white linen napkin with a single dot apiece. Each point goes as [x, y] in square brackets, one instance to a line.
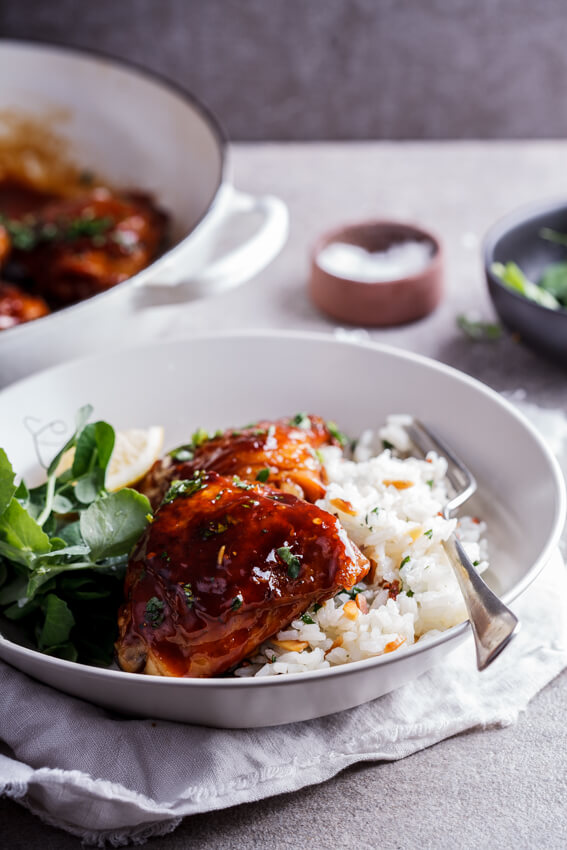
[106, 778]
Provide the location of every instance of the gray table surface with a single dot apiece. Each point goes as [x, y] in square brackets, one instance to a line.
[492, 788]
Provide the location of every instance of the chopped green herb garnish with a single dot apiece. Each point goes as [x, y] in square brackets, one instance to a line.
[373, 511]
[308, 620]
[199, 437]
[273, 659]
[185, 487]
[263, 475]
[428, 533]
[189, 598]
[86, 226]
[292, 561]
[212, 528]
[386, 444]
[301, 420]
[27, 236]
[409, 593]
[475, 563]
[430, 483]
[338, 435]
[182, 453]
[237, 602]
[317, 607]
[353, 592]
[154, 612]
[242, 485]
[404, 562]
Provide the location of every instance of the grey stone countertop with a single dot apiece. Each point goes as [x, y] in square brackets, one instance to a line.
[492, 788]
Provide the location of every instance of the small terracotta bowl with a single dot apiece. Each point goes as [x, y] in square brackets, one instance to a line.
[381, 303]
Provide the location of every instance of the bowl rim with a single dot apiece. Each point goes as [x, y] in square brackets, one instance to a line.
[452, 634]
[156, 77]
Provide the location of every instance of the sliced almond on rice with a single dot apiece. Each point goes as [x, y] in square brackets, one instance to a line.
[291, 645]
[394, 644]
[399, 485]
[343, 506]
[336, 643]
[350, 609]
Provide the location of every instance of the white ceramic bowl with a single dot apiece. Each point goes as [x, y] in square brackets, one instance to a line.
[138, 132]
[218, 381]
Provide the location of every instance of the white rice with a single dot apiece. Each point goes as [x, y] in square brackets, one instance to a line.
[400, 530]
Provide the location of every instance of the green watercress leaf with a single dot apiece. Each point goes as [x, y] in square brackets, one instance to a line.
[13, 589]
[66, 650]
[88, 488]
[58, 622]
[94, 447]
[110, 526]
[21, 538]
[7, 482]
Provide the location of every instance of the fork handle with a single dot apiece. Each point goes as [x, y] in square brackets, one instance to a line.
[493, 624]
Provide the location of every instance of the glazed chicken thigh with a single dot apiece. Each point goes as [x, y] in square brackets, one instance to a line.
[225, 565]
[282, 454]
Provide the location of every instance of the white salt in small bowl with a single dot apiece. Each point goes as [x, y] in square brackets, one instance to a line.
[377, 273]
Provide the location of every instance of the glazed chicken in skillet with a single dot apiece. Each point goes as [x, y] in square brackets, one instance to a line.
[16, 305]
[90, 243]
[224, 565]
[282, 454]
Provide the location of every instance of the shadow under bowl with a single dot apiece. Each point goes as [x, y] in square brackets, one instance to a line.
[517, 238]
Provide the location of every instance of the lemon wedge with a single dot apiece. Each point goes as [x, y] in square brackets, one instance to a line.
[135, 451]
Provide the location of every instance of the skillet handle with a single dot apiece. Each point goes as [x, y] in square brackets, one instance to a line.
[249, 259]
[172, 285]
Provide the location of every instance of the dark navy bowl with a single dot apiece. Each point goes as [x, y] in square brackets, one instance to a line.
[516, 238]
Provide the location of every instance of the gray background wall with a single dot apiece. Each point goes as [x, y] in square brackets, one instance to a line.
[337, 69]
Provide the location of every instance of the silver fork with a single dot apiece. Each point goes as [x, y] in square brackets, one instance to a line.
[493, 624]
